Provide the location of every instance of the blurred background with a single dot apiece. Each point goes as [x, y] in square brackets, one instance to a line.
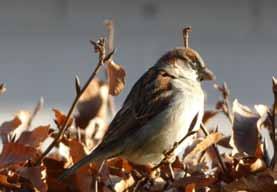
[44, 44]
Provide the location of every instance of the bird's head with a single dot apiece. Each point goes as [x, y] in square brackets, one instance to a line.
[185, 62]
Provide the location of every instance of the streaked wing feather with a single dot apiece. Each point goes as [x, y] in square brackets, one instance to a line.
[150, 95]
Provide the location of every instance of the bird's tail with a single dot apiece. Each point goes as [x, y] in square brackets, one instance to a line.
[96, 155]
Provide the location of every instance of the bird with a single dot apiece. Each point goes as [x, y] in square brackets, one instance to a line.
[157, 112]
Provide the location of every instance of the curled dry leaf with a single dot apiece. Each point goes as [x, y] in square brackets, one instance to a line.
[37, 176]
[60, 118]
[116, 77]
[93, 103]
[34, 138]
[244, 126]
[3, 89]
[14, 153]
[264, 125]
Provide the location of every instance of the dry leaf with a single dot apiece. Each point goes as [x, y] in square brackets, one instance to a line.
[8, 127]
[83, 180]
[252, 183]
[93, 103]
[211, 139]
[14, 153]
[24, 117]
[245, 134]
[116, 78]
[34, 138]
[209, 115]
[60, 118]
[55, 168]
[37, 175]
[191, 187]
[7, 185]
[264, 125]
[95, 132]
[199, 180]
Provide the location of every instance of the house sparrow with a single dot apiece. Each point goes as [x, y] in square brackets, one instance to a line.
[157, 112]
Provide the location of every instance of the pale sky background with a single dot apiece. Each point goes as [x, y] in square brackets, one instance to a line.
[43, 44]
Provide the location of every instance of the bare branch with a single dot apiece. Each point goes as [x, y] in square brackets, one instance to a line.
[99, 48]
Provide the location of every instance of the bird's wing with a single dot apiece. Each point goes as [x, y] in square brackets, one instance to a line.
[150, 95]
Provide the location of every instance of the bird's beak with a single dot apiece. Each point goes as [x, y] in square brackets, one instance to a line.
[207, 75]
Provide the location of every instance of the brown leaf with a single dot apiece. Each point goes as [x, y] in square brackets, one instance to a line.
[9, 126]
[118, 165]
[225, 142]
[245, 134]
[60, 118]
[34, 138]
[209, 115]
[3, 89]
[199, 180]
[14, 153]
[211, 139]
[116, 78]
[24, 117]
[93, 103]
[37, 176]
[55, 168]
[83, 175]
[191, 187]
[252, 183]
[6, 184]
[258, 165]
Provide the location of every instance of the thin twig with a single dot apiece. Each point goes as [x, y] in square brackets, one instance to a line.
[38, 107]
[186, 31]
[221, 162]
[225, 108]
[110, 27]
[99, 47]
[274, 111]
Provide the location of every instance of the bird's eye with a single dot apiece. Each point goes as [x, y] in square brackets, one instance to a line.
[193, 65]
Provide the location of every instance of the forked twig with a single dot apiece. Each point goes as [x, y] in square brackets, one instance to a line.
[99, 47]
